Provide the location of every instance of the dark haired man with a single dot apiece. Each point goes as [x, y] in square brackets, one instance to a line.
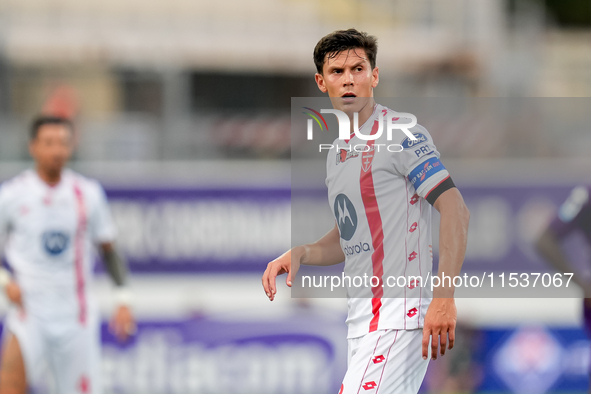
[53, 218]
[390, 193]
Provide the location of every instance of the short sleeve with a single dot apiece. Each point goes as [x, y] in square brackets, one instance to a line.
[102, 226]
[419, 162]
[576, 206]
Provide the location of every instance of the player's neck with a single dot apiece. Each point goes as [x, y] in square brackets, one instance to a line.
[363, 116]
[51, 178]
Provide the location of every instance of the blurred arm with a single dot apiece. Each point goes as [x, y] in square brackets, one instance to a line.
[122, 324]
[326, 251]
[549, 246]
[115, 263]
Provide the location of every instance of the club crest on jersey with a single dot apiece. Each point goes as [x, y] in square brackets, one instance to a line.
[346, 216]
[55, 242]
[343, 155]
[367, 159]
[407, 142]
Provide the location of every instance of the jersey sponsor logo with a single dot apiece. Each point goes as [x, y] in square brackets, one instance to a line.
[425, 171]
[346, 216]
[408, 143]
[55, 242]
[423, 150]
[361, 247]
[343, 155]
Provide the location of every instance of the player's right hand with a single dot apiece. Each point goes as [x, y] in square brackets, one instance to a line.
[13, 292]
[288, 263]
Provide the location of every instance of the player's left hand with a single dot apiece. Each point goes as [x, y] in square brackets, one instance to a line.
[440, 325]
[122, 324]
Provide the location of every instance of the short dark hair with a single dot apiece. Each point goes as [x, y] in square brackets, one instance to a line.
[343, 40]
[43, 120]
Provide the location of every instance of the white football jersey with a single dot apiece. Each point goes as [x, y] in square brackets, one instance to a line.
[377, 190]
[52, 231]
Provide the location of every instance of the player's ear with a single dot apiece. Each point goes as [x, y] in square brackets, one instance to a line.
[320, 82]
[375, 77]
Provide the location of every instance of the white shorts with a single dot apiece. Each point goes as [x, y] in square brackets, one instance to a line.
[385, 362]
[70, 350]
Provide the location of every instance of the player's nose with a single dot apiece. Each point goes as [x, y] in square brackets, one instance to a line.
[347, 78]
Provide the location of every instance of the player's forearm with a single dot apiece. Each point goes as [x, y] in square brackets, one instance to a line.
[326, 251]
[116, 264]
[453, 239]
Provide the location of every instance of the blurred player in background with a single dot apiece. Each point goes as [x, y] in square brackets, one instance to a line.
[573, 216]
[389, 194]
[53, 217]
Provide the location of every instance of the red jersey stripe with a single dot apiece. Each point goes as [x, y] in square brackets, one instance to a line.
[79, 252]
[372, 212]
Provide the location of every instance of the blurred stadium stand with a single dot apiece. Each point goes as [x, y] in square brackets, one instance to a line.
[161, 76]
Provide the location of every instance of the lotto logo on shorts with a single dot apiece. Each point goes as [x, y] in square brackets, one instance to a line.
[412, 256]
[413, 227]
[378, 359]
[370, 385]
[414, 199]
[412, 312]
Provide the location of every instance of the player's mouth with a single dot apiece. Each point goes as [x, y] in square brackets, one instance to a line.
[349, 97]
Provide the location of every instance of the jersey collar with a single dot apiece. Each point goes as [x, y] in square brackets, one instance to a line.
[368, 121]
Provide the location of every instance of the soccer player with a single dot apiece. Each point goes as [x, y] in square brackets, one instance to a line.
[573, 216]
[382, 199]
[53, 218]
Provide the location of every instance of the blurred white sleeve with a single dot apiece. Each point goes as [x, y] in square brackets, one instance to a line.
[4, 218]
[102, 225]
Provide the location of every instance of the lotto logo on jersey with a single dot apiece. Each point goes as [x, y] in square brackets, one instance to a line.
[55, 242]
[346, 216]
[425, 171]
